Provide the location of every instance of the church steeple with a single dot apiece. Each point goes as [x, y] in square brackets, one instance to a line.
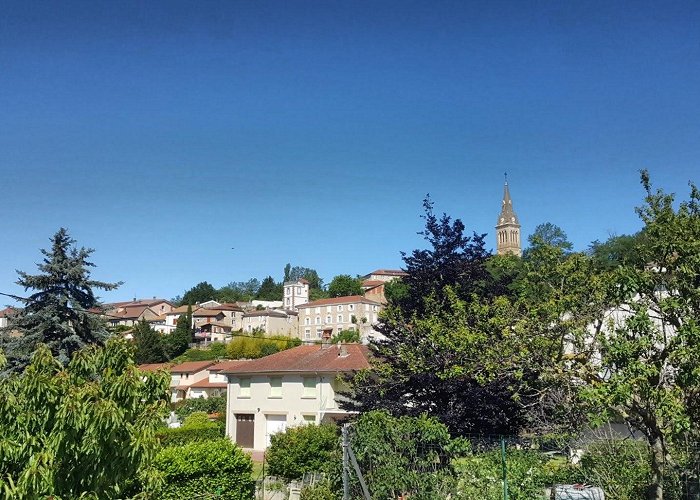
[508, 226]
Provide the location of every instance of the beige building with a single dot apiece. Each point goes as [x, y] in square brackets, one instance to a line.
[374, 282]
[293, 387]
[271, 322]
[182, 376]
[508, 227]
[354, 312]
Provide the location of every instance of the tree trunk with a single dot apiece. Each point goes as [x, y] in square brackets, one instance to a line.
[656, 489]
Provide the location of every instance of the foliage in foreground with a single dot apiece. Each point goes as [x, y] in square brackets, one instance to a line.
[214, 404]
[306, 448]
[84, 429]
[211, 468]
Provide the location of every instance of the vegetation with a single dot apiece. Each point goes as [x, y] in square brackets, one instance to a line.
[208, 405]
[58, 312]
[87, 428]
[177, 342]
[214, 351]
[270, 290]
[149, 344]
[257, 346]
[346, 337]
[345, 285]
[200, 469]
[306, 448]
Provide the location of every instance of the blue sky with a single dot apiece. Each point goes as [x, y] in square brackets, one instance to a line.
[164, 133]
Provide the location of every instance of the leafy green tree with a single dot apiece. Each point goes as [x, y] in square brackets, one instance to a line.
[616, 251]
[239, 291]
[87, 428]
[199, 293]
[60, 311]
[346, 337]
[269, 290]
[345, 285]
[643, 370]
[204, 469]
[447, 340]
[148, 343]
[177, 342]
[550, 234]
[298, 272]
[305, 448]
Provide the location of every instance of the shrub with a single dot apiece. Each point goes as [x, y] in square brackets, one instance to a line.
[202, 470]
[619, 466]
[306, 448]
[208, 405]
[198, 419]
[319, 491]
[258, 346]
[216, 350]
[346, 337]
[183, 435]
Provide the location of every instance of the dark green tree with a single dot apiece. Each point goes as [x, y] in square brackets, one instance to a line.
[299, 272]
[148, 343]
[199, 293]
[61, 311]
[617, 250]
[269, 290]
[345, 285]
[178, 341]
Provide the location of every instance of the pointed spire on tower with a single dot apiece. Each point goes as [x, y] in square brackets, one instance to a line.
[508, 226]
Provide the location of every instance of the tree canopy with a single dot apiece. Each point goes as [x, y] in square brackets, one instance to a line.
[87, 428]
[61, 311]
[149, 344]
[344, 285]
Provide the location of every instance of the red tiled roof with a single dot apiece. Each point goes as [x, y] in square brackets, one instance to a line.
[223, 366]
[191, 366]
[389, 272]
[205, 384]
[203, 311]
[183, 310]
[154, 367]
[351, 299]
[8, 311]
[308, 358]
[372, 283]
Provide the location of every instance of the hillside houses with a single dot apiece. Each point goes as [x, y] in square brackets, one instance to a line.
[335, 315]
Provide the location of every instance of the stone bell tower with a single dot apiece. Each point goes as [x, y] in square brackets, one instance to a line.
[508, 227]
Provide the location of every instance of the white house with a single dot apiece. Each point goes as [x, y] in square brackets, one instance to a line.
[292, 387]
[215, 384]
[186, 374]
[296, 293]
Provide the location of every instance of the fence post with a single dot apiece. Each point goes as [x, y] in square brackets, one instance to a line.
[505, 468]
[346, 463]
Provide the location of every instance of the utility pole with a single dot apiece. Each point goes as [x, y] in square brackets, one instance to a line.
[346, 463]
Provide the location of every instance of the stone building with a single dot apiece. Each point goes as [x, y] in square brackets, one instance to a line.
[508, 227]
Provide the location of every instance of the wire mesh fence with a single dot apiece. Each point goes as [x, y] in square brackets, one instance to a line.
[610, 464]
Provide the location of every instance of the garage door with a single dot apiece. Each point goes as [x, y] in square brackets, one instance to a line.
[275, 424]
[245, 425]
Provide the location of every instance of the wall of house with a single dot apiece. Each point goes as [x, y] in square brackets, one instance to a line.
[312, 320]
[184, 379]
[294, 403]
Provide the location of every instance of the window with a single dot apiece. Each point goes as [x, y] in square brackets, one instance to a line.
[319, 333]
[245, 388]
[351, 307]
[275, 387]
[328, 319]
[318, 320]
[309, 387]
[307, 333]
[374, 308]
[318, 310]
[298, 290]
[288, 291]
[287, 300]
[340, 318]
[340, 307]
[309, 419]
[307, 321]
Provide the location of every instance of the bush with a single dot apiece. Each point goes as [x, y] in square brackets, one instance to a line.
[207, 405]
[347, 337]
[183, 435]
[216, 350]
[319, 491]
[258, 346]
[306, 448]
[198, 419]
[529, 473]
[202, 470]
[620, 466]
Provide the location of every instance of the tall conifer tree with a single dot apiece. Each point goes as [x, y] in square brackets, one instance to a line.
[57, 313]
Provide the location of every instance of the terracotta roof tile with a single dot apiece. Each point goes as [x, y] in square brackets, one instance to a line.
[308, 358]
[191, 366]
[154, 367]
[226, 365]
[206, 384]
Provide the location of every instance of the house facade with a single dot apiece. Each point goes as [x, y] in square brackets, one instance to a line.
[354, 312]
[373, 283]
[295, 294]
[271, 322]
[184, 375]
[293, 387]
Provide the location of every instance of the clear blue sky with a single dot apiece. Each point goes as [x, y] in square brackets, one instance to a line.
[164, 133]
